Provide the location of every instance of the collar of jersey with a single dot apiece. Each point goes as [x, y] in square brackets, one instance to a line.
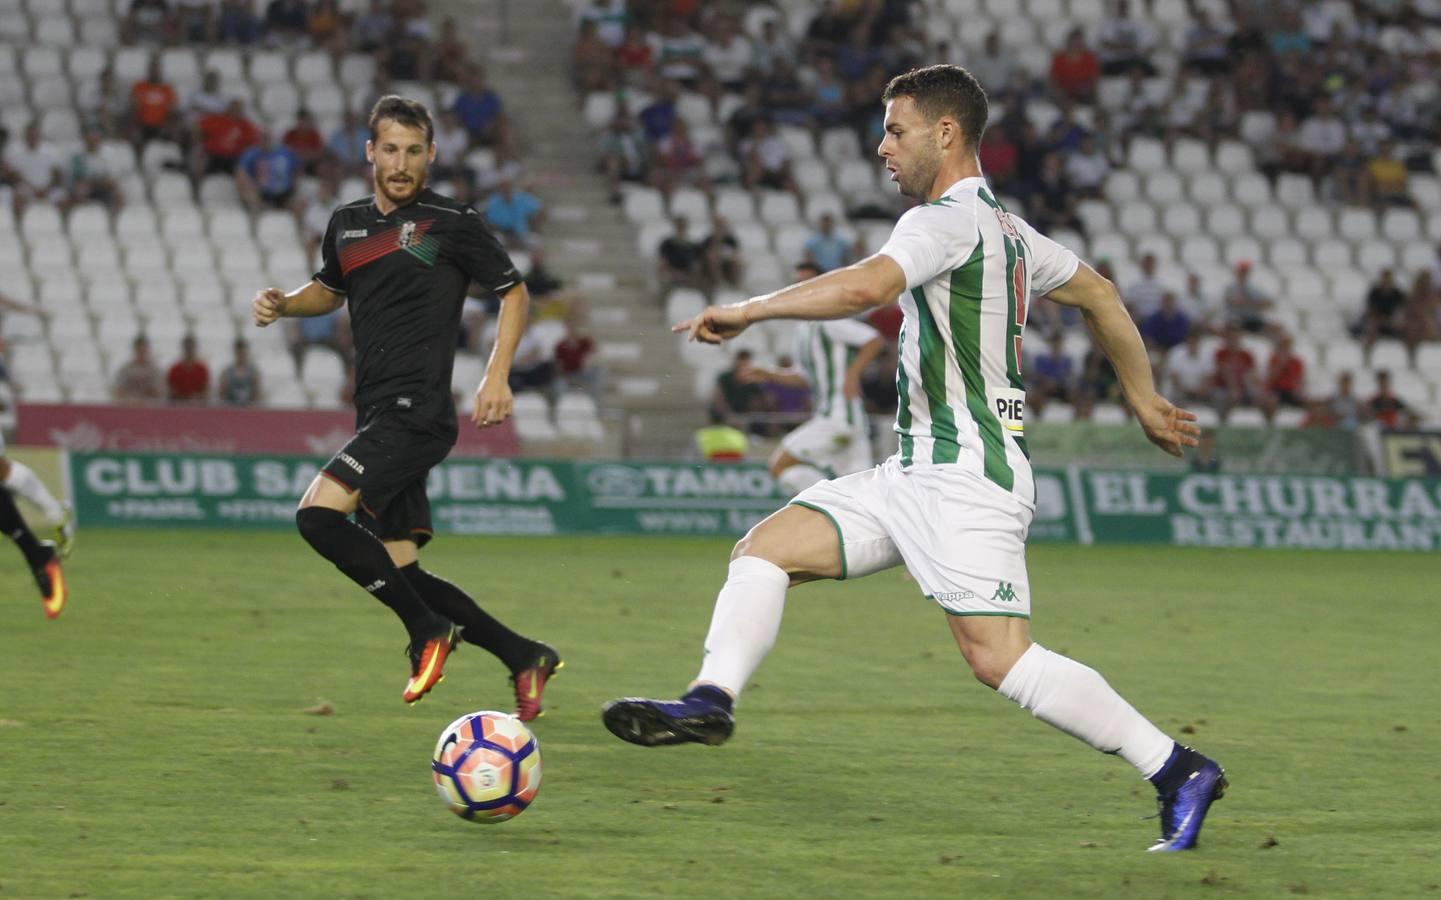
[947, 192]
[419, 195]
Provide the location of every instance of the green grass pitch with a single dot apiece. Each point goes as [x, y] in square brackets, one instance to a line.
[154, 740]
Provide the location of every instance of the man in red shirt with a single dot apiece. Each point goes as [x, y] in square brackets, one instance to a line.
[1075, 69]
[224, 136]
[1285, 377]
[152, 104]
[189, 379]
[572, 357]
[305, 141]
[1235, 372]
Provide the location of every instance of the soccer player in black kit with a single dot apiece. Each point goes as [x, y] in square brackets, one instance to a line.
[402, 261]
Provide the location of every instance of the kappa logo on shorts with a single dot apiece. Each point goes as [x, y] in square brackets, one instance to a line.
[352, 462]
[1005, 593]
[954, 596]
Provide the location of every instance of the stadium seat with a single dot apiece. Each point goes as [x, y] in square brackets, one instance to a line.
[1136, 218]
[1207, 189]
[359, 68]
[1391, 355]
[1246, 417]
[855, 176]
[41, 62]
[1356, 224]
[50, 253]
[1199, 250]
[532, 417]
[1234, 158]
[1270, 222]
[1251, 189]
[1295, 191]
[51, 91]
[1147, 155]
[181, 68]
[643, 205]
[1163, 188]
[85, 63]
[1189, 156]
[1157, 244]
[270, 67]
[145, 256]
[226, 226]
[1401, 225]
[1314, 223]
[279, 101]
[1416, 256]
[129, 64]
[1181, 220]
[1332, 253]
[1256, 126]
[736, 205]
[1374, 255]
[1242, 249]
[820, 203]
[1283, 253]
[98, 31]
[693, 205]
[812, 175]
[778, 208]
[89, 219]
[649, 238]
[576, 416]
[1121, 186]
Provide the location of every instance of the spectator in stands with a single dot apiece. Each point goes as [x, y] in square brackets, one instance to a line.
[39, 171]
[1051, 376]
[209, 98]
[481, 111]
[346, 145]
[657, 117]
[305, 141]
[1190, 372]
[771, 46]
[92, 178]
[592, 61]
[147, 22]
[1285, 380]
[827, 30]
[827, 249]
[1235, 378]
[1125, 44]
[721, 260]
[450, 55]
[514, 214]
[786, 98]
[1052, 203]
[678, 162]
[539, 279]
[766, 160]
[1097, 382]
[1421, 317]
[1246, 305]
[534, 366]
[1087, 168]
[105, 105]
[239, 383]
[999, 158]
[1075, 68]
[451, 144]
[1382, 316]
[1322, 138]
[286, 23]
[188, 380]
[1206, 50]
[1281, 150]
[1369, 131]
[679, 51]
[737, 396]
[1350, 177]
[829, 107]
[995, 68]
[625, 155]
[635, 58]
[1387, 177]
[152, 106]
[574, 366]
[1143, 296]
[1167, 326]
[371, 27]
[237, 23]
[330, 331]
[679, 258]
[405, 56]
[138, 380]
[323, 23]
[266, 175]
[728, 53]
[223, 138]
[1389, 410]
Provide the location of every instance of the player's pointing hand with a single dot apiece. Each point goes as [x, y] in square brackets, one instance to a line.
[715, 324]
[267, 306]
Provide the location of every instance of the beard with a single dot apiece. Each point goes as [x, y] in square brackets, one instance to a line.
[916, 181]
[400, 193]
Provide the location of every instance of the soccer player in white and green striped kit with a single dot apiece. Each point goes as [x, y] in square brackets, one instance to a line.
[955, 503]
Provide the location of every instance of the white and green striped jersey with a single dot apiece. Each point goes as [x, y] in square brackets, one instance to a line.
[826, 350]
[970, 268]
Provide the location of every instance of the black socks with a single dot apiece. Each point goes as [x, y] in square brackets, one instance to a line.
[364, 560]
[478, 626]
[13, 524]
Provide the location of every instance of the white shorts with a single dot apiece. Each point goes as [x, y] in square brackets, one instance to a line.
[831, 445]
[962, 537]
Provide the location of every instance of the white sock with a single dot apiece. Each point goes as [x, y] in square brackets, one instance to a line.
[1077, 700]
[799, 477]
[25, 483]
[745, 623]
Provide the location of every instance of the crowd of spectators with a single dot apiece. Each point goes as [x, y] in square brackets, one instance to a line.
[1345, 94]
[187, 381]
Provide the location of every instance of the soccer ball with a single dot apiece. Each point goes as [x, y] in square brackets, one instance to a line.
[486, 766]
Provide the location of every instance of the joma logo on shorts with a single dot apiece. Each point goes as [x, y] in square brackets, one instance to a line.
[352, 462]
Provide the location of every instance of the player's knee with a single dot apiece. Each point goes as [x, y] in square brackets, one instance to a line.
[990, 665]
[316, 523]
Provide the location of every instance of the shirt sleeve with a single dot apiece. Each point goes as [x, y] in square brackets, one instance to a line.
[1052, 264]
[481, 256]
[330, 275]
[932, 239]
[851, 332]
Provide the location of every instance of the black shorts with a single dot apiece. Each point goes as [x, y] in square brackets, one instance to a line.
[387, 462]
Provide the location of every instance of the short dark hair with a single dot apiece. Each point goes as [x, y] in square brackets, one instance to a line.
[945, 90]
[410, 113]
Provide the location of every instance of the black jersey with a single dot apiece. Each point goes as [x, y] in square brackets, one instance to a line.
[405, 276]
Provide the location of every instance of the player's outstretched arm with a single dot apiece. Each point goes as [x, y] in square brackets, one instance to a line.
[872, 282]
[1167, 426]
[314, 299]
[493, 399]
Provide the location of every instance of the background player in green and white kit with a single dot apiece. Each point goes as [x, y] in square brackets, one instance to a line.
[955, 503]
[835, 440]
